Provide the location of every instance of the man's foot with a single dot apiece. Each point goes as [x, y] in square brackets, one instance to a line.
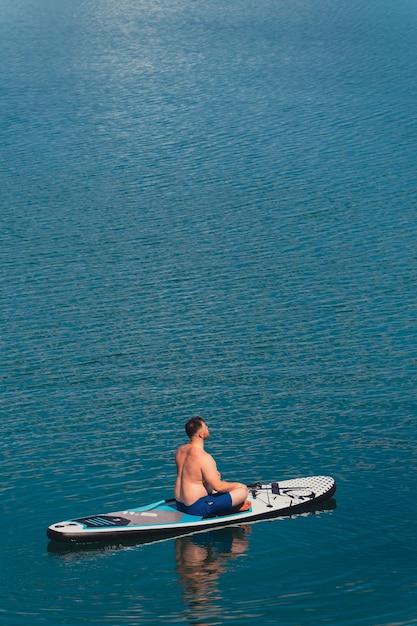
[245, 506]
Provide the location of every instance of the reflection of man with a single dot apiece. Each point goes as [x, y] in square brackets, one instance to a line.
[200, 561]
[199, 489]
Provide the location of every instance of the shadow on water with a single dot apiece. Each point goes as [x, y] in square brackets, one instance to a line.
[78, 549]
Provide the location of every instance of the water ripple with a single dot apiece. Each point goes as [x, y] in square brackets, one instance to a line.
[208, 210]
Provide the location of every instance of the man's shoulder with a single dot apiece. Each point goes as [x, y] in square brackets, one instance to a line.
[182, 449]
[206, 456]
[188, 449]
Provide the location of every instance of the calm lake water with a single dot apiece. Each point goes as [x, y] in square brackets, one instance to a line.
[209, 208]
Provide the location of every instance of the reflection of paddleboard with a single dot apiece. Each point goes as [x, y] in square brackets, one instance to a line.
[162, 519]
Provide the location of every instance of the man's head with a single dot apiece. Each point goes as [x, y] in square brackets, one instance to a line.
[195, 426]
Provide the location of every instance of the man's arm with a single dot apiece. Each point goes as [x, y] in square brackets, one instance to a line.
[211, 476]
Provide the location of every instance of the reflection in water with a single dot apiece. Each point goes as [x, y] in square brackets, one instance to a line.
[200, 560]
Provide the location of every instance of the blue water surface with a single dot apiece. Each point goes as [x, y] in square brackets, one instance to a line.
[209, 208]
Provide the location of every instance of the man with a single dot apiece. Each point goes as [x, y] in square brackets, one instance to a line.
[199, 489]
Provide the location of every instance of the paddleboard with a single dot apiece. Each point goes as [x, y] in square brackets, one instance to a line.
[162, 519]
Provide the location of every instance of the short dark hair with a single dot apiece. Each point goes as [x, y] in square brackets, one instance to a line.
[193, 426]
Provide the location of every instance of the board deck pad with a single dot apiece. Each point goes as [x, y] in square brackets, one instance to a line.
[162, 519]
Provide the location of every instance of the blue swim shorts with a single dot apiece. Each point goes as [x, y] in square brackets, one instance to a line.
[207, 505]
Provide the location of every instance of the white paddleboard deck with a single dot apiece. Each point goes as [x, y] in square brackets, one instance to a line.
[162, 519]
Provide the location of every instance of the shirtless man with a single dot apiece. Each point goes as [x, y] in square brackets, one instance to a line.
[199, 489]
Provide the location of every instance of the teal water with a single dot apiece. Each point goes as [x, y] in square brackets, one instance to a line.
[209, 208]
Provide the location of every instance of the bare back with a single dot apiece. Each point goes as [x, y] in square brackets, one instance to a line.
[190, 484]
